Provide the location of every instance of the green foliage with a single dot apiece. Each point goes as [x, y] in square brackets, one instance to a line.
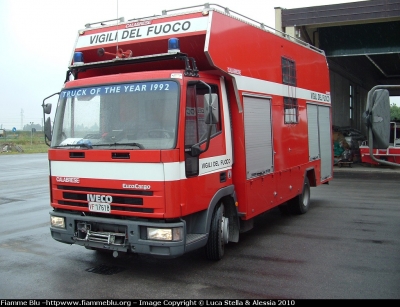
[22, 142]
[394, 112]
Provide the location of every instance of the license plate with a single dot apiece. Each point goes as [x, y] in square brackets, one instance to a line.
[99, 207]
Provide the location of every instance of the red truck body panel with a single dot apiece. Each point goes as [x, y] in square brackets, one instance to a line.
[258, 158]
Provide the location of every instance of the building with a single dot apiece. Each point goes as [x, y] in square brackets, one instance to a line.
[362, 43]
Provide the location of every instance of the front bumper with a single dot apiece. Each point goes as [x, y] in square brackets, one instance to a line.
[116, 235]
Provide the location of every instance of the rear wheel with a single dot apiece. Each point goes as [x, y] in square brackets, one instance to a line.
[219, 234]
[301, 203]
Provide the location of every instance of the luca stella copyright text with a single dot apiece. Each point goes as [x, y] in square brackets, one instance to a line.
[217, 303]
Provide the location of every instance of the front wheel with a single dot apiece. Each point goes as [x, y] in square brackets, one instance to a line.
[301, 203]
[219, 234]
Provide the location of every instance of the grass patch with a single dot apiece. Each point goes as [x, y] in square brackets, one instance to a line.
[23, 142]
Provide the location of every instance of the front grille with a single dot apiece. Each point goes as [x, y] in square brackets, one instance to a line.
[116, 199]
[104, 191]
[122, 200]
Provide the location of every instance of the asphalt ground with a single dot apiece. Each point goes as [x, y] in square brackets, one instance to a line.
[366, 169]
[346, 247]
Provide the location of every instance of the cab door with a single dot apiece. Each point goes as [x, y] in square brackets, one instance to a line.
[211, 170]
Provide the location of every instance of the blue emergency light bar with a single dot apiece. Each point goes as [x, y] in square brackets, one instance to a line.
[173, 45]
[78, 58]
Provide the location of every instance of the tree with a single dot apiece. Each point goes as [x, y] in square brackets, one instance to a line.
[394, 112]
[37, 127]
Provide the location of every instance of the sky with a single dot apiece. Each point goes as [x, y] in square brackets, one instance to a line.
[38, 37]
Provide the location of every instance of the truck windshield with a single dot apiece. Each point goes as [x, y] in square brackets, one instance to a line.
[140, 115]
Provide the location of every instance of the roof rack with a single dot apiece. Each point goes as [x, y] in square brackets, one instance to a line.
[190, 63]
[88, 25]
[227, 11]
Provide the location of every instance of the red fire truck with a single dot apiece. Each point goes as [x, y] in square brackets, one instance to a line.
[390, 154]
[173, 132]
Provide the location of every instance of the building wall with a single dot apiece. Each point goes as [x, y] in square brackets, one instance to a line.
[372, 27]
[340, 97]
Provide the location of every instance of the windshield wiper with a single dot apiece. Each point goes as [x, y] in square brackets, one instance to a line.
[122, 144]
[75, 145]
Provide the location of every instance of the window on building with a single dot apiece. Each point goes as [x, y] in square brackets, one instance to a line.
[288, 72]
[291, 110]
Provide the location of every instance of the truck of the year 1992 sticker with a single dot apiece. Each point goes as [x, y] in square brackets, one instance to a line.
[173, 132]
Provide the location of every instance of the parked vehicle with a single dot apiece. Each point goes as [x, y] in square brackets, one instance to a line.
[391, 153]
[172, 133]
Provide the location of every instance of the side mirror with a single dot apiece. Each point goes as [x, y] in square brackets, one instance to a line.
[47, 124]
[211, 113]
[47, 108]
[47, 129]
[377, 120]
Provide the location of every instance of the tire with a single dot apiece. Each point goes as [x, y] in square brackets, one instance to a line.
[218, 236]
[301, 203]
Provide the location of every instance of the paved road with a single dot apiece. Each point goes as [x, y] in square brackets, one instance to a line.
[346, 246]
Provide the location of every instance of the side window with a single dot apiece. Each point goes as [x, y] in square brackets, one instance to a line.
[195, 127]
[290, 106]
[291, 110]
[289, 72]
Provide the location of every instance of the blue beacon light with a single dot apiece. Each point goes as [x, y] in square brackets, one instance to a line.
[78, 58]
[173, 45]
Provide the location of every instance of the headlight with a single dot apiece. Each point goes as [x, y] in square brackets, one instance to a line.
[57, 221]
[165, 234]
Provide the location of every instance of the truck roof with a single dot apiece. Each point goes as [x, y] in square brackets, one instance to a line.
[213, 36]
